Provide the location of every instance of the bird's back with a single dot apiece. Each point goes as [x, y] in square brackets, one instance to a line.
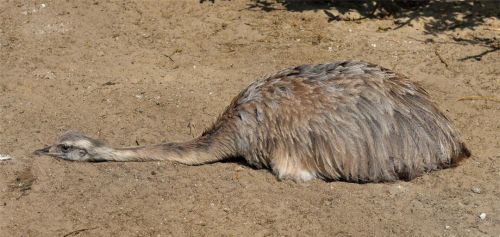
[348, 120]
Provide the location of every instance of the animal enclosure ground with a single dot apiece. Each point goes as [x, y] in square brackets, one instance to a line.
[142, 72]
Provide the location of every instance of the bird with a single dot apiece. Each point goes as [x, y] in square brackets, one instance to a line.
[350, 121]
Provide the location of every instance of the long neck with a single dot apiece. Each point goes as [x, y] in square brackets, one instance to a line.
[198, 151]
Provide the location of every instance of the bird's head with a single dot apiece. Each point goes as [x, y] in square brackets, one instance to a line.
[73, 146]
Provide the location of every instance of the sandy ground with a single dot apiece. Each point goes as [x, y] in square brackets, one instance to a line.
[141, 72]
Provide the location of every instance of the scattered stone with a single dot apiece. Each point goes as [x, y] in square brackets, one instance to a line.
[403, 20]
[350, 16]
[202, 223]
[109, 83]
[100, 53]
[476, 190]
[447, 227]
[482, 216]
[383, 29]
[44, 74]
[5, 157]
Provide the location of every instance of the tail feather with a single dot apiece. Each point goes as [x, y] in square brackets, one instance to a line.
[464, 154]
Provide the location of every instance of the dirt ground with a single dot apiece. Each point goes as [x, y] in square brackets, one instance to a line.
[143, 72]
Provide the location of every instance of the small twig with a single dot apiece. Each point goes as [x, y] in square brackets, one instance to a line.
[478, 57]
[440, 58]
[23, 193]
[190, 126]
[172, 54]
[490, 98]
[168, 56]
[430, 40]
[492, 29]
[75, 232]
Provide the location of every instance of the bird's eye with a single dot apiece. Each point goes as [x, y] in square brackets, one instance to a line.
[65, 148]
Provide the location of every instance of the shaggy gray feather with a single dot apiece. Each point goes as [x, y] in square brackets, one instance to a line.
[348, 120]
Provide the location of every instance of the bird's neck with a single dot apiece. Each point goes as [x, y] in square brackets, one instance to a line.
[191, 153]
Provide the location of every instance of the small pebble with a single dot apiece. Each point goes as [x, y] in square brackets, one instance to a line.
[351, 16]
[5, 157]
[44, 74]
[447, 227]
[403, 20]
[482, 216]
[476, 190]
[202, 223]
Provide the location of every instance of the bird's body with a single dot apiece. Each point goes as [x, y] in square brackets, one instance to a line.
[349, 120]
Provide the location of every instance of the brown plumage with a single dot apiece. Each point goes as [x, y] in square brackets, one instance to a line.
[349, 120]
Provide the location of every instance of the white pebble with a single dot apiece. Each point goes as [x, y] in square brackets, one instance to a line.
[5, 157]
[374, 45]
[447, 227]
[476, 190]
[482, 216]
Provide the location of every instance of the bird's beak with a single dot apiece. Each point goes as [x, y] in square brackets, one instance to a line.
[43, 151]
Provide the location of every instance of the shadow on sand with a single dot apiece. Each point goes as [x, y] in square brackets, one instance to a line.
[441, 15]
